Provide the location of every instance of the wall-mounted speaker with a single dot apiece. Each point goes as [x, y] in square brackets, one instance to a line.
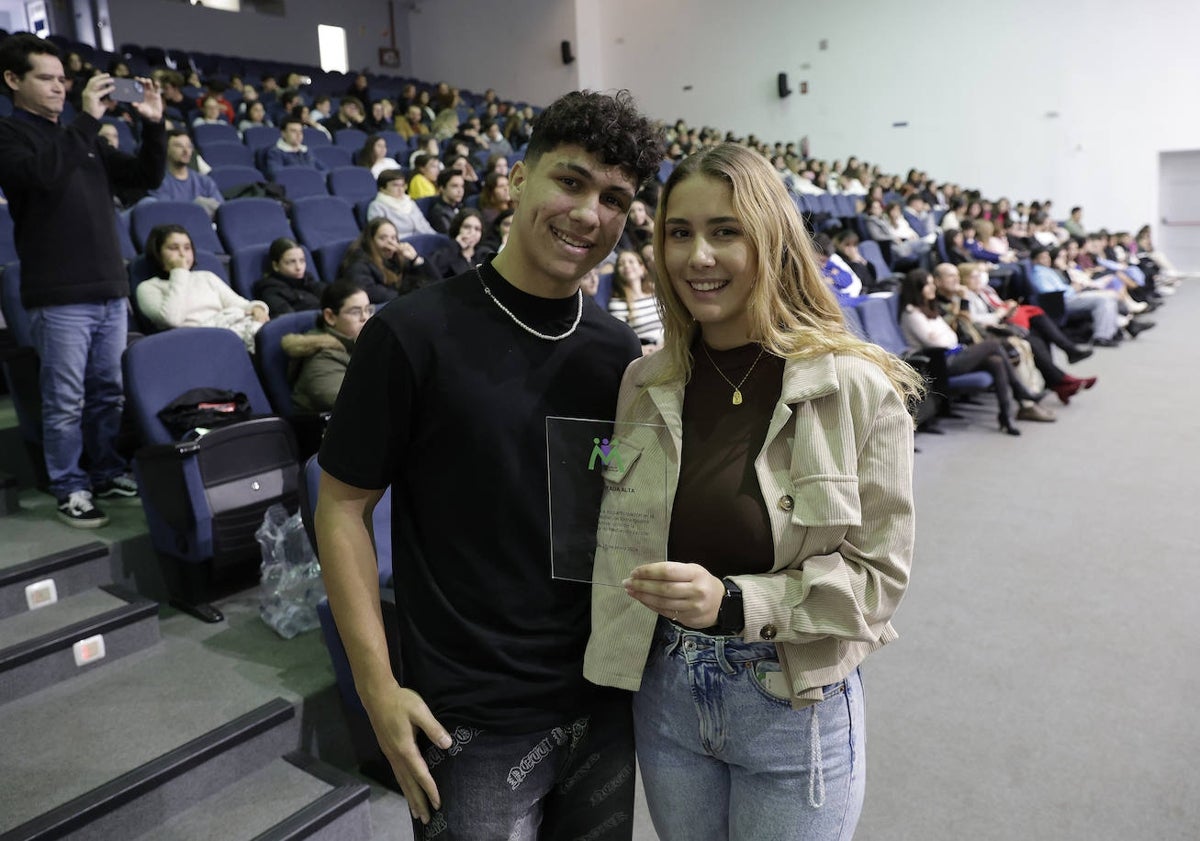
[567, 55]
[784, 90]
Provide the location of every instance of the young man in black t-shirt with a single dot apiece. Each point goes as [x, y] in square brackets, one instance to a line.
[494, 733]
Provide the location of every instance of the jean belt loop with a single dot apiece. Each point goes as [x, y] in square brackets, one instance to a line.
[726, 666]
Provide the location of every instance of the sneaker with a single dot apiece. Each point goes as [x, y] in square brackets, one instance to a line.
[77, 510]
[123, 485]
[1034, 412]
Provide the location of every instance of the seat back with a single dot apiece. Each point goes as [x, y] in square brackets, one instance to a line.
[252, 221]
[332, 156]
[273, 362]
[352, 183]
[350, 139]
[871, 252]
[314, 137]
[231, 177]
[329, 258]
[396, 144]
[125, 236]
[427, 244]
[207, 135]
[260, 137]
[319, 220]
[192, 217]
[8, 242]
[880, 325]
[381, 519]
[853, 320]
[301, 182]
[159, 368]
[227, 154]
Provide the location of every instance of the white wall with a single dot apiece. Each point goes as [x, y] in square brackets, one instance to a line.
[513, 46]
[975, 88]
[292, 37]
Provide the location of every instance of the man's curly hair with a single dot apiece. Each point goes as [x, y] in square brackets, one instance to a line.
[609, 127]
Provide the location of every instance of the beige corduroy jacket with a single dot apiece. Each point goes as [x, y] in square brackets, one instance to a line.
[836, 474]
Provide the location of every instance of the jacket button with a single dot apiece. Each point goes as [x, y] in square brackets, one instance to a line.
[768, 632]
[785, 503]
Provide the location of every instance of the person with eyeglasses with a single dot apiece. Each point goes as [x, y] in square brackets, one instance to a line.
[318, 358]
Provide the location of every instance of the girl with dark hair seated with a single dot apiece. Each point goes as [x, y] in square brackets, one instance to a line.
[374, 155]
[287, 287]
[466, 229]
[381, 265]
[178, 297]
[924, 327]
[320, 356]
[494, 198]
[496, 236]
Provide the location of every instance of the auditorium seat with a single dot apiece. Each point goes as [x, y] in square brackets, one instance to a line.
[227, 154]
[427, 244]
[332, 156]
[259, 137]
[149, 215]
[139, 270]
[250, 262]
[301, 182]
[320, 220]
[232, 177]
[352, 183]
[125, 136]
[350, 139]
[208, 134]
[243, 222]
[314, 137]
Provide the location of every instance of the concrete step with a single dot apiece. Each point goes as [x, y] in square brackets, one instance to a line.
[78, 634]
[28, 585]
[293, 797]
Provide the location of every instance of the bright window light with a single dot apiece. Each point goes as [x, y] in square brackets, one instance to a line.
[332, 43]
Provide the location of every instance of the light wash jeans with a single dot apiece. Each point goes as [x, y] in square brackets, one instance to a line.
[723, 757]
[80, 347]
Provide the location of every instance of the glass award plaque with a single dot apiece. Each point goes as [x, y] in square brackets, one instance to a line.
[608, 500]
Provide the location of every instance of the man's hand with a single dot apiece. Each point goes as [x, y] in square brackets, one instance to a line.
[684, 593]
[396, 717]
[150, 108]
[97, 88]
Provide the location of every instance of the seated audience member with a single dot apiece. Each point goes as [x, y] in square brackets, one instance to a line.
[466, 229]
[181, 182]
[254, 116]
[845, 244]
[108, 133]
[211, 113]
[449, 201]
[322, 108]
[426, 145]
[176, 106]
[318, 358]
[955, 213]
[287, 287]
[633, 300]
[842, 280]
[1074, 224]
[424, 102]
[494, 198]
[380, 117]
[906, 247]
[395, 205]
[923, 327]
[423, 181]
[1101, 306]
[496, 142]
[919, 217]
[590, 283]
[1144, 248]
[409, 125]
[382, 266]
[496, 236]
[305, 114]
[350, 114]
[360, 89]
[374, 155]
[496, 163]
[639, 227]
[179, 297]
[445, 124]
[289, 150]
[990, 315]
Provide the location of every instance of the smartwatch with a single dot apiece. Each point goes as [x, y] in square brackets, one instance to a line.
[731, 617]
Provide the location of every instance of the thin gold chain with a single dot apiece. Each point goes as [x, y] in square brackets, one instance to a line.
[737, 389]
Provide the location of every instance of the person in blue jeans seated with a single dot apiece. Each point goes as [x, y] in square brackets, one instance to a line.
[289, 149]
[781, 446]
[491, 729]
[59, 182]
[1100, 305]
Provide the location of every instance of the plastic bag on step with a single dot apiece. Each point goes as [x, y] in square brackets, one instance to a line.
[291, 582]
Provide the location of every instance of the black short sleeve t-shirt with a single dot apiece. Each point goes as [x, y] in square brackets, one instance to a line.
[446, 400]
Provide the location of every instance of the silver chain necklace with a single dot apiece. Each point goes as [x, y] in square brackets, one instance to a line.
[522, 324]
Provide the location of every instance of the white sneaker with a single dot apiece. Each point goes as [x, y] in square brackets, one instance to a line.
[77, 510]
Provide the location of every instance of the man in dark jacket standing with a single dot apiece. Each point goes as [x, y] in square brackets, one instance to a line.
[59, 181]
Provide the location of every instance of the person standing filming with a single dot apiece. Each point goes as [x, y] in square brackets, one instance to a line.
[785, 447]
[491, 730]
[59, 182]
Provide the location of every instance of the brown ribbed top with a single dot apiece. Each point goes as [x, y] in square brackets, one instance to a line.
[719, 518]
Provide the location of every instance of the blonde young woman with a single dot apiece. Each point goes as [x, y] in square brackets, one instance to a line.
[782, 450]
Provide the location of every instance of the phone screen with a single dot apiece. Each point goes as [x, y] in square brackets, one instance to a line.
[127, 90]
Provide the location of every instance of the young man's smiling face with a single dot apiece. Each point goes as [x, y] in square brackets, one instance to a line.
[570, 212]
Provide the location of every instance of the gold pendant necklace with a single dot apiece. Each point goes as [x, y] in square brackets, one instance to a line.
[737, 389]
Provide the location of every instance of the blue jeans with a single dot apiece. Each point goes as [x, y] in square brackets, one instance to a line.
[80, 347]
[723, 756]
[569, 782]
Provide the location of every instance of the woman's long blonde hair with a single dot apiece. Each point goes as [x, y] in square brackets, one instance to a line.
[793, 314]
